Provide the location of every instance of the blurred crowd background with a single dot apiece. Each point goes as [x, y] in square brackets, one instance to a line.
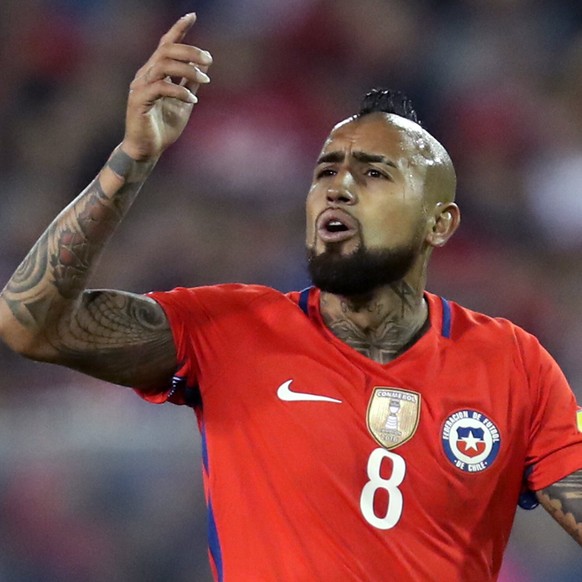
[97, 485]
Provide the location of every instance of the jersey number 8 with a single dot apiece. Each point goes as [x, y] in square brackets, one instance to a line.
[377, 482]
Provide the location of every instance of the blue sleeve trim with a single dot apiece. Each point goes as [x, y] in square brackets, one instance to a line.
[214, 544]
[190, 394]
[304, 300]
[213, 540]
[192, 397]
[204, 451]
[446, 326]
[528, 500]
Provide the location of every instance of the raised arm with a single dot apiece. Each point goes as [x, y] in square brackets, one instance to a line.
[563, 501]
[45, 312]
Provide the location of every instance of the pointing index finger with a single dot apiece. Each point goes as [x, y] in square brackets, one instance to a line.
[179, 29]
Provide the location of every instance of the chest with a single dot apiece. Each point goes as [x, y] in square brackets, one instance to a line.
[453, 412]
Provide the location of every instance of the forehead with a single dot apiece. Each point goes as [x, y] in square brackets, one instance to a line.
[378, 133]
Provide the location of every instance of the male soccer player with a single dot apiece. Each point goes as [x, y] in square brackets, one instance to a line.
[361, 430]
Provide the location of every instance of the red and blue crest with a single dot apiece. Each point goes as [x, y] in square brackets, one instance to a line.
[471, 440]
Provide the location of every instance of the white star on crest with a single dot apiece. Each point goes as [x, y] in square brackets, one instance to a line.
[471, 442]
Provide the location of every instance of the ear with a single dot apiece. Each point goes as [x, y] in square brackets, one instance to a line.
[443, 224]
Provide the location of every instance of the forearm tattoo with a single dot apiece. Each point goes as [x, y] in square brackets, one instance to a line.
[46, 291]
[563, 500]
[57, 267]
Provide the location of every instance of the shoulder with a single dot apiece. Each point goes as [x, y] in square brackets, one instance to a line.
[229, 295]
[496, 333]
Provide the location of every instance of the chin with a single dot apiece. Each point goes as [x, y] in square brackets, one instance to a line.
[360, 271]
[338, 249]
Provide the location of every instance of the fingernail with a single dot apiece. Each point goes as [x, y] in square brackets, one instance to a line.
[207, 57]
[192, 98]
[203, 77]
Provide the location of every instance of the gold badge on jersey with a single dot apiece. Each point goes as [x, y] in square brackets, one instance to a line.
[393, 415]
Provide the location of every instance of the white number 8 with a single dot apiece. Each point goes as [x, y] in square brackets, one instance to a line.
[394, 509]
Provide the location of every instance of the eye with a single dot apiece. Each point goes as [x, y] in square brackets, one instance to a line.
[374, 173]
[326, 173]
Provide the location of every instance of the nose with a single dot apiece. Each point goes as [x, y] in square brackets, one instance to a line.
[341, 190]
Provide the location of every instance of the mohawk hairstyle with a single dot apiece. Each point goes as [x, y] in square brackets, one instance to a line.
[388, 101]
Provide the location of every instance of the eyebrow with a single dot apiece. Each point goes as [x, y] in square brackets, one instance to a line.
[365, 157]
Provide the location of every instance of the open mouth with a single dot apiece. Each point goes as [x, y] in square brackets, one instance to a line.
[334, 225]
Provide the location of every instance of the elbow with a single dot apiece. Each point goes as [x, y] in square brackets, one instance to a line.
[21, 344]
[18, 337]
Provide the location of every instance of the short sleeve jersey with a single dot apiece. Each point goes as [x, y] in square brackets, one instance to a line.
[323, 465]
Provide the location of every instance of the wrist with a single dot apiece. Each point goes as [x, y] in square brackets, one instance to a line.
[123, 169]
[136, 153]
[126, 163]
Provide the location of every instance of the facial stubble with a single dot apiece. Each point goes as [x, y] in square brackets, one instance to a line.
[363, 270]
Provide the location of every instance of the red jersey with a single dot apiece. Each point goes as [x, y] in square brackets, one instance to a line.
[323, 465]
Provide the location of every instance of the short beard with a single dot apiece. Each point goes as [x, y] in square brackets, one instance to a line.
[360, 272]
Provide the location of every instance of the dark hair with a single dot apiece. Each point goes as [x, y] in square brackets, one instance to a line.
[388, 101]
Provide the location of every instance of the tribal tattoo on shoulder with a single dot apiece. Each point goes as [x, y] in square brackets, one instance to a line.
[126, 336]
[563, 501]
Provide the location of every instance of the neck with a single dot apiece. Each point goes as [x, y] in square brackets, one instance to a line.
[380, 325]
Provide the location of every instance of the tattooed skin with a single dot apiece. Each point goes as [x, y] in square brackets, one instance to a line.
[21, 293]
[563, 500]
[66, 251]
[104, 333]
[397, 328]
[121, 330]
[406, 295]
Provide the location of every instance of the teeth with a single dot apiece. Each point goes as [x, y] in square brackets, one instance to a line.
[335, 225]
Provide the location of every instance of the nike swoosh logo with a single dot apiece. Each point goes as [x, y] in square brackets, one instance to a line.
[285, 393]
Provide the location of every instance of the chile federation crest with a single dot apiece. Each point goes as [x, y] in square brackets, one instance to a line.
[470, 440]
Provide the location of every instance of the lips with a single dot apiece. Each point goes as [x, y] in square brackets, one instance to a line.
[335, 225]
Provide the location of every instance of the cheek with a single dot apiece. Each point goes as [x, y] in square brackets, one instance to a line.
[387, 229]
[309, 234]
[310, 214]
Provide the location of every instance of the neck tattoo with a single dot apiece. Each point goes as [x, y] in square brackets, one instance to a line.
[376, 331]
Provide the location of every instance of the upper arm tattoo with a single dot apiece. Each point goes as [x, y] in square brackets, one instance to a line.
[563, 500]
[118, 336]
